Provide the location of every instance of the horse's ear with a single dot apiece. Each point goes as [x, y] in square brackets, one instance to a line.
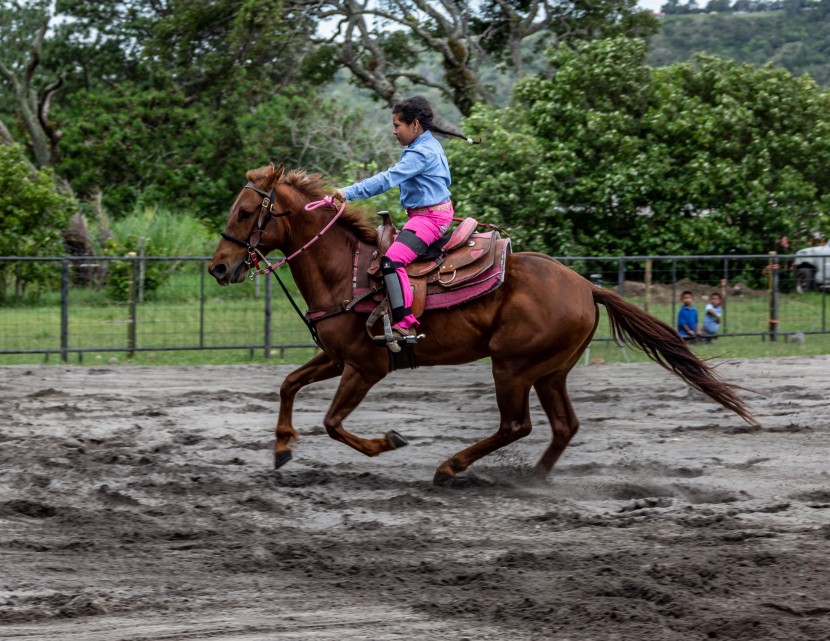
[276, 175]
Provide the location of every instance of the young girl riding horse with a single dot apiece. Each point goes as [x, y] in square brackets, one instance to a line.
[423, 175]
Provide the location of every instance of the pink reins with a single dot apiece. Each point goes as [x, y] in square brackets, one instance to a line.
[328, 201]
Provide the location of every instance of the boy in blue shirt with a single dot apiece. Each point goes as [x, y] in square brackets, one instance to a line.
[712, 316]
[687, 324]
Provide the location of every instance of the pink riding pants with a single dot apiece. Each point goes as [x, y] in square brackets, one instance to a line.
[429, 226]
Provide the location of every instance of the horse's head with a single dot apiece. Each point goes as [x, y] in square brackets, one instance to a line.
[254, 224]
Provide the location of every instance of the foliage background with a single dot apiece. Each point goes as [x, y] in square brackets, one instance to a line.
[604, 131]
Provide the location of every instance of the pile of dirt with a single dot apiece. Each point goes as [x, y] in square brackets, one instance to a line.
[664, 293]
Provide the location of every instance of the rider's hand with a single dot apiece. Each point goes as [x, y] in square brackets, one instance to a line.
[339, 195]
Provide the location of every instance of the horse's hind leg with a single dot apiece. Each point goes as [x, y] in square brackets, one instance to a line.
[513, 397]
[553, 395]
[354, 385]
[319, 368]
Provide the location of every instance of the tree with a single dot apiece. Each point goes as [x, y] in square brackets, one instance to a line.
[158, 95]
[32, 212]
[611, 157]
[230, 49]
[20, 56]
[718, 6]
[388, 46]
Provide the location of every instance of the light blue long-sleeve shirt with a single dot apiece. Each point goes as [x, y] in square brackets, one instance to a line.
[422, 173]
[712, 323]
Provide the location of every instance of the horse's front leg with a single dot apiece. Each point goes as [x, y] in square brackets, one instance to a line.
[354, 385]
[513, 397]
[319, 368]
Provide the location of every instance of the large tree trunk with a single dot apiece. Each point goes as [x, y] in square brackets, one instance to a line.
[32, 106]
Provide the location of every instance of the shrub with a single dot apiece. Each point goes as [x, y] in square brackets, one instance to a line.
[33, 211]
[164, 235]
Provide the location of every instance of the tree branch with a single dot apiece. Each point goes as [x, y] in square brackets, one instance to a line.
[420, 80]
[5, 135]
[34, 59]
[8, 75]
[44, 102]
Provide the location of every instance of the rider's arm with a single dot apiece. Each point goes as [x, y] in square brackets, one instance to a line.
[411, 164]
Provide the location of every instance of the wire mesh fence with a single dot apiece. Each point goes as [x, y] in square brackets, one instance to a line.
[70, 305]
[129, 305]
[760, 293]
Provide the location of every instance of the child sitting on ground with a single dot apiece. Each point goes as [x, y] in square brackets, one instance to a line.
[687, 323]
[711, 317]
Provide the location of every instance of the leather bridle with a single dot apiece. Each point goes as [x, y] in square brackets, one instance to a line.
[266, 213]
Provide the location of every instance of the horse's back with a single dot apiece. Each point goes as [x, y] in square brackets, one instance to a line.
[548, 285]
[543, 305]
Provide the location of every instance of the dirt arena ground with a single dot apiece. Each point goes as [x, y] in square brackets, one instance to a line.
[137, 503]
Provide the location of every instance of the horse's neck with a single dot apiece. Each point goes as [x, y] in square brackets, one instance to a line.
[323, 272]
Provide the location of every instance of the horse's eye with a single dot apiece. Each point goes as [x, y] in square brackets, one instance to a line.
[244, 215]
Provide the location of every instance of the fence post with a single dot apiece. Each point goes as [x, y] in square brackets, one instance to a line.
[621, 277]
[723, 283]
[647, 298]
[64, 310]
[673, 291]
[269, 288]
[131, 323]
[141, 269]
[773, 301]
[201, 303]
[826, 280]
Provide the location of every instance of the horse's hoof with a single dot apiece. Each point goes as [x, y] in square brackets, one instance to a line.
[539, 472]
[281, 458]
[396, 440]
[443, 479]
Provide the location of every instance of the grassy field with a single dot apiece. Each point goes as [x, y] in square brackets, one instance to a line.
[179, 315]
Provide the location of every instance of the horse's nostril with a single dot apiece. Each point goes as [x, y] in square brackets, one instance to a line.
[219, 271]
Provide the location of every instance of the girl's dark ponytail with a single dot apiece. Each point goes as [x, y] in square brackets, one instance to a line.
[418, 108]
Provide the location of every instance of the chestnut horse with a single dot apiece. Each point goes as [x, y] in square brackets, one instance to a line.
[534, 328]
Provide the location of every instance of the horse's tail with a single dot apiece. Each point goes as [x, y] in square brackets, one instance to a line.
[663, 345]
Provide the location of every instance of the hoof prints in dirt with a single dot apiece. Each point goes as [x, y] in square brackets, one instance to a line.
[651, 468]
[635, 535]
[301, 478]
[584, 488]
[23, 507]
[337, 477]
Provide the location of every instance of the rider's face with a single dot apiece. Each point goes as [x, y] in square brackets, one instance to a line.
[406, 133]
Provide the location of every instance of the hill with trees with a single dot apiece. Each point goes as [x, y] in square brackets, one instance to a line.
[794, 34]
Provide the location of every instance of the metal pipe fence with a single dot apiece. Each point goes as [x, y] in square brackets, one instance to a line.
[759, 292]
[76, 305]
[71, 305]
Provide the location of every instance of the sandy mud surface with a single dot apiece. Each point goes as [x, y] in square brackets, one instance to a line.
[139, 504]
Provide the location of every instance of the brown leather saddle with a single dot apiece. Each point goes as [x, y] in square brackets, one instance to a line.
[461, 259]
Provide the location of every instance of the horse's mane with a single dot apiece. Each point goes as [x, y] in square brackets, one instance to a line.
[312, 187]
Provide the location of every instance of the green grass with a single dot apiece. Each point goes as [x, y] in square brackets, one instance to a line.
[173, 316]
[723, 348]
[749, 314]
[796, 313]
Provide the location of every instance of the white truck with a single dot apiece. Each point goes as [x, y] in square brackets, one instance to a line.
[812, 268]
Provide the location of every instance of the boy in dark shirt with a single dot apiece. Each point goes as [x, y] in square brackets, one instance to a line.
[687, 323]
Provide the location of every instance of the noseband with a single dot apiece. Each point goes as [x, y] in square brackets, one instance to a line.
[266, 213]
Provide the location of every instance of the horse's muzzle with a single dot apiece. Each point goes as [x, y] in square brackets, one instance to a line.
[225, 276]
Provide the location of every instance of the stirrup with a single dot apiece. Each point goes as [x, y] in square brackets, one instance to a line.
[397, 337]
